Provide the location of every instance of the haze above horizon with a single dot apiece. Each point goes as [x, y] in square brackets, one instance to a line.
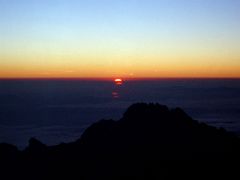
[126, 39]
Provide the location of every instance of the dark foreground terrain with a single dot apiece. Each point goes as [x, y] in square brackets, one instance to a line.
[148, 142]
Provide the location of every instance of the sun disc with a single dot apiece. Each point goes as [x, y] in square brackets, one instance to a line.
[118, 80]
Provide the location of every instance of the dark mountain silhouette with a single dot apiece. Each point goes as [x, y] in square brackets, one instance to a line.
[148, 142]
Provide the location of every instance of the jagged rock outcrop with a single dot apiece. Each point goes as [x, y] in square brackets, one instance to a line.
[150, 141]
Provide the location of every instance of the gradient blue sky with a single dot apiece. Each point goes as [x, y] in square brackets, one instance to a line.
[108, 38]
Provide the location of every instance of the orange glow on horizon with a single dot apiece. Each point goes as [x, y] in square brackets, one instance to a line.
[126, 72]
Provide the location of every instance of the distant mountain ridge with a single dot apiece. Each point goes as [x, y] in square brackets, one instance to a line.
[150, 141]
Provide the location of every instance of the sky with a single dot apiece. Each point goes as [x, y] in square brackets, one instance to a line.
[113, 38]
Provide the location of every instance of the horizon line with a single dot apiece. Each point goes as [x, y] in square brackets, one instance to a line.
[112, 78]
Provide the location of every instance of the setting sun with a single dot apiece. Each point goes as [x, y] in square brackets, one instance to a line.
[118, 81]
